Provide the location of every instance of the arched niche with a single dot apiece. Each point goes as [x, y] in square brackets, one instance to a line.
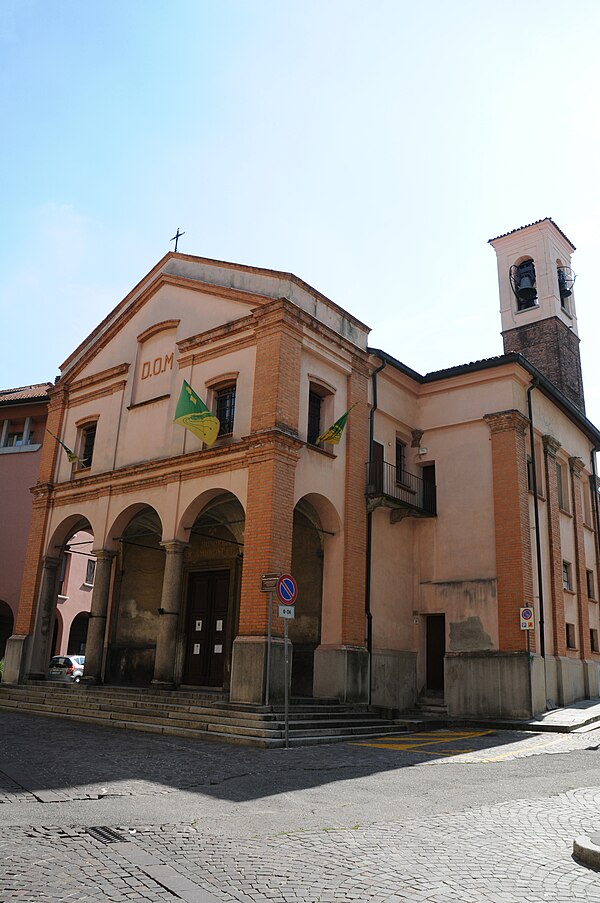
[136, 599]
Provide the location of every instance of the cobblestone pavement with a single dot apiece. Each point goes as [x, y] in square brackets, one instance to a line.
[510, 853]
[214, 817]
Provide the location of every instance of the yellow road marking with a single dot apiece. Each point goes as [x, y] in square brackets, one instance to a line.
[518, 752]
[414, 741]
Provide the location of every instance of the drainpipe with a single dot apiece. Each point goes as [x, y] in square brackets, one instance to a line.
[538, 550]
[596, 512]
[368, 615]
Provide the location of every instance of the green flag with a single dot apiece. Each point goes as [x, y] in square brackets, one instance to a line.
[73, 458]
[334, 433]
[193, 414]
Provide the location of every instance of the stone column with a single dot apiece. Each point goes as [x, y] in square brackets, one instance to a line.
[94, 646]
[170, 604]
[42, 635]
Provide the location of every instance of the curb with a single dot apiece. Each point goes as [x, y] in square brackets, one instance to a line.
[586, 849]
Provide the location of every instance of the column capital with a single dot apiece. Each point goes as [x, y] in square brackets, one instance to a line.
[551, 445]
[174, 546]
[576, 466]
[104, 554]
[503, 421]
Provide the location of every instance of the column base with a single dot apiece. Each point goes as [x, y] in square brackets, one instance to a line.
[15, 657]
[342, 672]
[163, 684]
[249, 669]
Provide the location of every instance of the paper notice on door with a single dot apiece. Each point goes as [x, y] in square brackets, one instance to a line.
[198, 625]
[218, 648]
[196, 648]
[219, 625]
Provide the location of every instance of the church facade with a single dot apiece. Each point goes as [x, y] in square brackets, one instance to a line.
[452, 502]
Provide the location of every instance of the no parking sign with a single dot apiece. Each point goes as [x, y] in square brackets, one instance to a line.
[527, 618]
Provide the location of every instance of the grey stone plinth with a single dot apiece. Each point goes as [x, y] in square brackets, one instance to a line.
[15, 658]
[394, 679]
[342, 672]
[249, 669]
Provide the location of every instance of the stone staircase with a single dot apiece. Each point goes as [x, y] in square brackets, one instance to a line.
[204, 716]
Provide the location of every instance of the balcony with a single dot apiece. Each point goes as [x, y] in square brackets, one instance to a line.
[406, 494]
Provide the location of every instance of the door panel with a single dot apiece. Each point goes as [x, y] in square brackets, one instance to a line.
[436, 649]
[208, 598]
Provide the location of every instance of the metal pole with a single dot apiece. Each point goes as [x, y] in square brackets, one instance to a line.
[529, 673]
[286, 688]
[268, 680]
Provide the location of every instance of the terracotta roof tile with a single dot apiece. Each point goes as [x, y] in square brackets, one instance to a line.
[546, 219]
[38, 390]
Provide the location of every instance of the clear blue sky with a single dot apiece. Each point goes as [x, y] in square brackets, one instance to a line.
[370, 148]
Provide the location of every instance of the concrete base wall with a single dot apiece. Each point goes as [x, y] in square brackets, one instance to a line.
[249, 670]
[15, 659]
[491, 685]
[552, 694]
[342, 672]
[572, 679]
[591, 679]
[394, 679]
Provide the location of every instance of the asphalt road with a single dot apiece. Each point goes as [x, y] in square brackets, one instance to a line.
[444, 816]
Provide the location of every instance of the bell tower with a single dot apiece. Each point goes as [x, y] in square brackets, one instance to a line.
[537, 306]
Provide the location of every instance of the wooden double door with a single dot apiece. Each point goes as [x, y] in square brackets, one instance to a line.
[206, 628]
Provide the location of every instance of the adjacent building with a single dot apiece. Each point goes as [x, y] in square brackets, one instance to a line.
[453, 501]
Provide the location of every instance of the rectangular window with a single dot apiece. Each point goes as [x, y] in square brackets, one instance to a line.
[586, 489]
[589, 576]
[571, 644]
[90, 571]
[400, 460]
[566, 572]
[593, 639]
[563, 495]
[314, 417]
[88, 439]
[225, 409]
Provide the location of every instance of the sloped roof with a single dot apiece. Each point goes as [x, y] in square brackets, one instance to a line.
[38, 391]
[546, 219]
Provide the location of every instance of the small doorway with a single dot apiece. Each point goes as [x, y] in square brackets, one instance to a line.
[206, 629]
[435, 652]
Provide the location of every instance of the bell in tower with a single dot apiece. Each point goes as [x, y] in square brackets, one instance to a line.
[536, 303]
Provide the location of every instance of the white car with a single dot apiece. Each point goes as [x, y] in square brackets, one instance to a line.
[68, 668]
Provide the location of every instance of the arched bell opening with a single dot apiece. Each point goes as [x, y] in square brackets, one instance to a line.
[137, 590]
[212, 567]
[307, 568]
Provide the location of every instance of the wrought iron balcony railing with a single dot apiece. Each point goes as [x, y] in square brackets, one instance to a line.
[402, 489]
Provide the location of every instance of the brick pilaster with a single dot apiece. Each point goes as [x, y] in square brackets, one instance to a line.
[269, 527]
[576, 467]
[356, 437]
[272, 460]
[41, 505]
[512, 525]
[557, 608]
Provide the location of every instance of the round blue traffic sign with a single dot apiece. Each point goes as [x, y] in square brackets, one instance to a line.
[287, 589]
[526, 614]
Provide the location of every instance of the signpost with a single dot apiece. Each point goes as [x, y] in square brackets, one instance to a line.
[527, 623]
[268, 583]
[287, 590]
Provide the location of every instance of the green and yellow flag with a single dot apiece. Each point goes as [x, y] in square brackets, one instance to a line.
[334, 433]
[73, 458]
[193, 414]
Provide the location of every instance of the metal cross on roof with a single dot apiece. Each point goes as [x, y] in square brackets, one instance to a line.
[176, 237]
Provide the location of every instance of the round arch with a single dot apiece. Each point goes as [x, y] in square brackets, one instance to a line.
[63, 532]
[201, 505]
[123, 520]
